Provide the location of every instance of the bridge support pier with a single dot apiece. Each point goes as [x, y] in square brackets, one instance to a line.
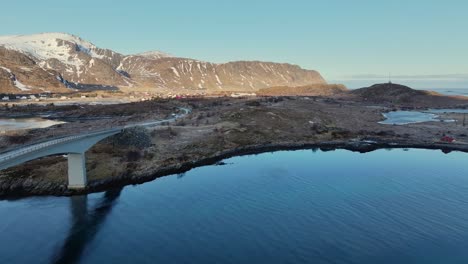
[77, 171]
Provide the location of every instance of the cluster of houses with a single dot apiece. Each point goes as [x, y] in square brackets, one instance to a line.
[140, 96]
[238, 95]
[38, 97]
[32, 97]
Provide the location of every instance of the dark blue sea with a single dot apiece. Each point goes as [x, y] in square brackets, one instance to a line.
[387, 206]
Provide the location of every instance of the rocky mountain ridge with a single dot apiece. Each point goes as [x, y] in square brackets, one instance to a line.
[59, 62]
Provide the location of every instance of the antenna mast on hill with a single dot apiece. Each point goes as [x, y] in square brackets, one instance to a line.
[390, 78]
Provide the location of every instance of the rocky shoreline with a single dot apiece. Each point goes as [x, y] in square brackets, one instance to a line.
[216, 129]
[24, 188]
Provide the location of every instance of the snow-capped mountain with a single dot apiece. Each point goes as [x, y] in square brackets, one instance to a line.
[58, 61]
[19, 73]
[154, 54]
[50, 46]
[78, 61]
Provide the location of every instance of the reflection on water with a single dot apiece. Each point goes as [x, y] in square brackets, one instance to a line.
[9, 124]
[85, 225]
[386, 207]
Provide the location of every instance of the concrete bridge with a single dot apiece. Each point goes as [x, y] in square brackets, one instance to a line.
[74, 147]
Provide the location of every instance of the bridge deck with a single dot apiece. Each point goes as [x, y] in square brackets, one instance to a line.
[8, 158]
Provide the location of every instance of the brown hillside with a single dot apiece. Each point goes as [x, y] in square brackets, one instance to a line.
[308, 90]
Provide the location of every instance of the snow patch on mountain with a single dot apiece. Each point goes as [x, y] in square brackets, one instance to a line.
[154, 54]
[47, 46]
[15, 81]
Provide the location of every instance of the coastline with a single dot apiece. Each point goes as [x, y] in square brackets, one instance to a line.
[216, 129]
[96, 186]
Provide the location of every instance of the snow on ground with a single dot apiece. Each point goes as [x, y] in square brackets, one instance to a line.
[21, 86]
[175, 71]
[6, 69]
[217, 79]
[16, 82]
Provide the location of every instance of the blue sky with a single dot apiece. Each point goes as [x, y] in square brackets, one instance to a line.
[421, 43]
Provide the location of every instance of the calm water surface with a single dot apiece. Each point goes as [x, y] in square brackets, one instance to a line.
[407, 117]
[9, 124]
[412, 117]
[284, 207]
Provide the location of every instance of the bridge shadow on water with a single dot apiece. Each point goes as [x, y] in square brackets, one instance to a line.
[85, 225]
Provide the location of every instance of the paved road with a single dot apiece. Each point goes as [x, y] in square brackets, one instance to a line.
[25, 150]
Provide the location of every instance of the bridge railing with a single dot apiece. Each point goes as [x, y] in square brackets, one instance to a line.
[37, 146]
[32, 148]
[47, 139]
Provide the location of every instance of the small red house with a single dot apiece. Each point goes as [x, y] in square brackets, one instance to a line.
[447, 139]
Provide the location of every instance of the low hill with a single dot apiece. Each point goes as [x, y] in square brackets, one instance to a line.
[388, 90]
[403, 95]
